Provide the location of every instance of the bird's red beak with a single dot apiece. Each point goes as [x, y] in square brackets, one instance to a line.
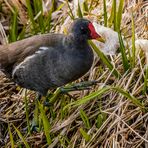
[94, 34]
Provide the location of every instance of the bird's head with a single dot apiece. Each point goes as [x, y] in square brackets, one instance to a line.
[83, 29]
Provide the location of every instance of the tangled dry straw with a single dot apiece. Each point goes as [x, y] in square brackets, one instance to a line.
[123, 124]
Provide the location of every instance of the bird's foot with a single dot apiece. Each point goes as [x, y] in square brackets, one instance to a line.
[47, 104]
[34, 127]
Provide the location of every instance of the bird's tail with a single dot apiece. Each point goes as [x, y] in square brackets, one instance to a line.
[4, 60]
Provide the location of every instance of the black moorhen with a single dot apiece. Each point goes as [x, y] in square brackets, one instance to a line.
[48, 61]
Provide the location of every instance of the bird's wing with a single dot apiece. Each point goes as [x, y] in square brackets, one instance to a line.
[14, 53]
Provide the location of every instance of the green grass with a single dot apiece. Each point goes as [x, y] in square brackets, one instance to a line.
[119, 14]
[85, 119]
[122, 48]
[105, 13]
[145, 88]
[85, 135]
[79, 12]
[31, 17]
[102, 91]
[70, 11]
[115, 14]
[11, 136]
[14, 26]
[27, 112]
[46, 124]
[21, 137]
[133, 43]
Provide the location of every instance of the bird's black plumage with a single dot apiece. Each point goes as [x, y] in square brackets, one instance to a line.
[48, 61]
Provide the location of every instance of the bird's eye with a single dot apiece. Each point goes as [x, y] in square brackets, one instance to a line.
[83, 30]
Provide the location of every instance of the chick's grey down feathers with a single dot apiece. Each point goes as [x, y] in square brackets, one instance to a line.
[47, 61]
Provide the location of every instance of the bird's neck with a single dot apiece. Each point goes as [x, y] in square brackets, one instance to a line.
[76, 41]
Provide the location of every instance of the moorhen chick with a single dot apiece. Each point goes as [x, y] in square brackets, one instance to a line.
[48, 61]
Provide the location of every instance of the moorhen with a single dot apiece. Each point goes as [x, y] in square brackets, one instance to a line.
[48, 61]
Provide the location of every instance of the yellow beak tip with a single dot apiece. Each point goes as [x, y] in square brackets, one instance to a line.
[101, 39]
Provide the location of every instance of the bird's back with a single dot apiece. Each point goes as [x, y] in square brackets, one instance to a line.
[14, 53]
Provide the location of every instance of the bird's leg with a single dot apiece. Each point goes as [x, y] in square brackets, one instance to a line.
[35, 121]
[52, 97]
[78, 86]
[46, 101]
[64, 90]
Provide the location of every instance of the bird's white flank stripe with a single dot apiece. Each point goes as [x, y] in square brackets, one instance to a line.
[21, 64]
[41, 49]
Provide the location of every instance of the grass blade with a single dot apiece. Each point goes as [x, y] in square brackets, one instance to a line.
[129, 96]
[35, 5]
[46, 124]
[100, 119]
[70, 11]
[27, 112]
[14, 26]
[21, 137]
[105, 13]
[31, 16]
[60, 7]
[22, 33]
[133, 42]
[79, 11]
[111, 18]
[11, 137]
[119, 14]
[126, 64]
[40, 18]
[91, 5]
[145, 88]
[101, 92]
[87, 98]
[85, 135]
[85, 7]
[104, 59]
[85, 119]
[115, 19]
[48, 21]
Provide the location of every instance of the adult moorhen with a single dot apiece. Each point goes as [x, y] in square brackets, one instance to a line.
[48, 61]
